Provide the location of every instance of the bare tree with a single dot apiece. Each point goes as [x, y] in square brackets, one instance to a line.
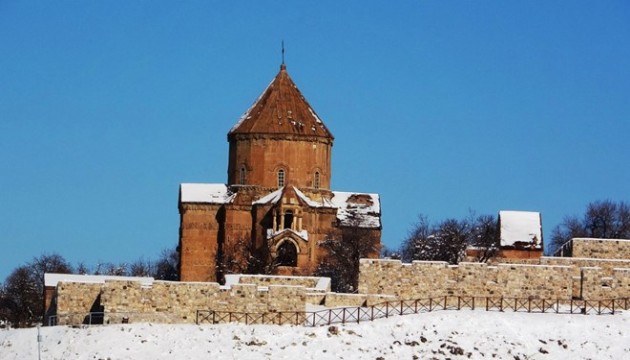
[142, 267]
[342, 261]
[48, 263]
[166, 268]
[445, 241]
[448, 239]
[22, 302]
[484, 236]
[411, 248]
[602, 219]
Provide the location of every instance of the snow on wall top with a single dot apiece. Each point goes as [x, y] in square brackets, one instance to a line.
[205, 193]
[52, 279]
[522, 228]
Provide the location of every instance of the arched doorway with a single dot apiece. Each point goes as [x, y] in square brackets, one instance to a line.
[286, 254]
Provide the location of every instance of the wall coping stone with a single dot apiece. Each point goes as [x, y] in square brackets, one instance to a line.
[581, 258]
[600, 240]
[536, 266]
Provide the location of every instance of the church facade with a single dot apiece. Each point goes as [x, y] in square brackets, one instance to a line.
[277, 213]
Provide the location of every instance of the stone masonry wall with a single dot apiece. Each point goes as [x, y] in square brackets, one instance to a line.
[75, 300]
[421, 280]
[601, 248]
[171, 302]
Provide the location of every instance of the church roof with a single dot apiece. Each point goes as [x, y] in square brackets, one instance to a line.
[353, 209]
[281, 109]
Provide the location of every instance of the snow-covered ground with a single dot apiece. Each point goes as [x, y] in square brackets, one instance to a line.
[440, 335]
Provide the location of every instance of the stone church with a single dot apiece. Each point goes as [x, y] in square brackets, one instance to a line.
[277, 213]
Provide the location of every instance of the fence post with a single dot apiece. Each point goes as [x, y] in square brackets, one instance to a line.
[343, 316]
[401, 307]
[386, 309]
[358, 313]
[430, 304]
[372, 315]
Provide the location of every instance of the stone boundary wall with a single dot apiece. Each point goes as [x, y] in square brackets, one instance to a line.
[425, 279]
[601, 248]
[170, 302]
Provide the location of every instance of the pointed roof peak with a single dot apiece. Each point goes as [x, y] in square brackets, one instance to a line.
[281, 109]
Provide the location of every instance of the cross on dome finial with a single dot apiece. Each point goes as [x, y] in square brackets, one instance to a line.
[283, 66]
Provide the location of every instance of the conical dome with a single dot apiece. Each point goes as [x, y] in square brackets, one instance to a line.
[281, 109]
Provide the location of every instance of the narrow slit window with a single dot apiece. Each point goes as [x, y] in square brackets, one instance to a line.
[281, 179]
[316, 180]
[242, 176]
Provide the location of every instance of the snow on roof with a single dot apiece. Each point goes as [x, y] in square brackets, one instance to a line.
[205, 193]
[312, 203]
[522, 227]
[52, 279]
[272, 197]
[366, 208]
[351, 207]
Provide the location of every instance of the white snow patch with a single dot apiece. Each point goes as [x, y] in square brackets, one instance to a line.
[520, 226]
[440, 335]
[368, 213]
[205, 193]
[52, 279]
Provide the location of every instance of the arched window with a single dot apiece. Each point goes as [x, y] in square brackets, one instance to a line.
[281, 178]
[287, 254]
[316, 180]
[242, 175]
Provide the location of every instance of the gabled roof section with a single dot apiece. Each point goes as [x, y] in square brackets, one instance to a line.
[281, 109]
[270, 198]
[205, 194]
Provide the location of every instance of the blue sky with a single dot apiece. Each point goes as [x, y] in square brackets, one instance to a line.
[441, 107]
